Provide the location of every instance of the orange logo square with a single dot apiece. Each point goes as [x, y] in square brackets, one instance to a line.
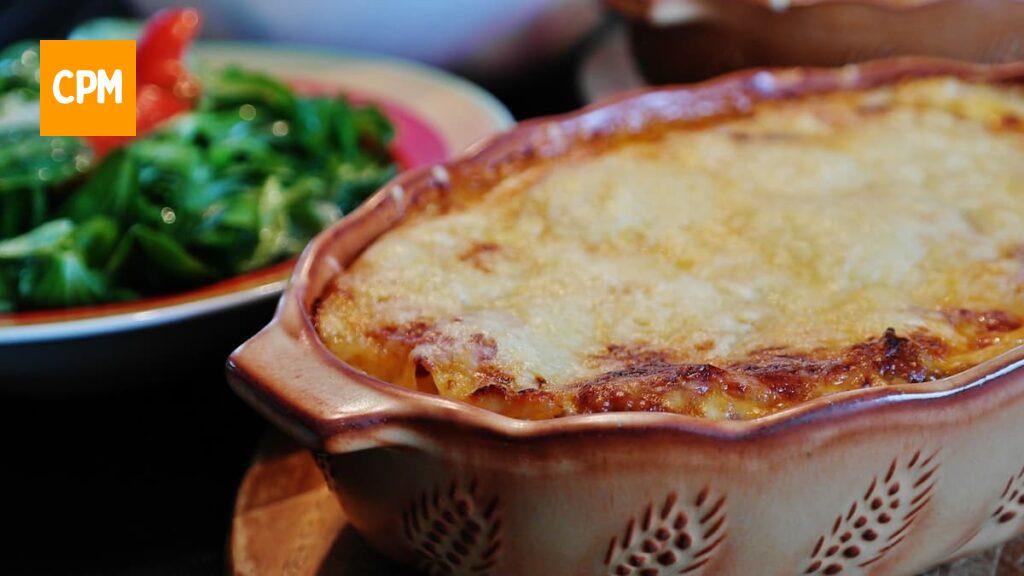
[87, 88]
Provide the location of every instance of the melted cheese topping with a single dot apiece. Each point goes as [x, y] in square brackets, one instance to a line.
[728, 271]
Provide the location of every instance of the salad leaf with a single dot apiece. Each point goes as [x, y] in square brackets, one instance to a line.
[109, 191]
[28, 159]
[45, 238]
[61, 279]
[244, 180]
[6, 297]
[165, 255]
[96, 240]
[373, 126]
[36, 172]
[234, 87]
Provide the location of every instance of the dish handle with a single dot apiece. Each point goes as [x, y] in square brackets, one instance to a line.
[290, 379]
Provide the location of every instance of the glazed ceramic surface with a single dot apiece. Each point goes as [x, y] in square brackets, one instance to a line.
[885, 480]
[287, 521]
[436, 115]
[686, 40]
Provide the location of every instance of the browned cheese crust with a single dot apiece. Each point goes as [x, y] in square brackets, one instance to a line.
[727, 270]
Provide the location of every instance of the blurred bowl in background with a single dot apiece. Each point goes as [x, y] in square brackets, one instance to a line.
[688, 40]
[482, 39]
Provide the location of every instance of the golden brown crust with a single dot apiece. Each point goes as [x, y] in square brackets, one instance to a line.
[649, 380]
[770, 380]
[635, 375]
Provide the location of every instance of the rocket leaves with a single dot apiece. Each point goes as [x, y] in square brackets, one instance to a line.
[244, 180]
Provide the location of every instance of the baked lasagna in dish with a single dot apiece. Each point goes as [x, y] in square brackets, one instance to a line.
[727, 269]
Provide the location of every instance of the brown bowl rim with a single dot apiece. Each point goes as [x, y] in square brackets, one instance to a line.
[318, 418]
[644, 9]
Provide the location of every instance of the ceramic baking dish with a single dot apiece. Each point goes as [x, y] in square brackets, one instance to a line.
[885, 480]
[687, 40]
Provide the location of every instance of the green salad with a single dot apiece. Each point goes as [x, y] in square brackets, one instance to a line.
[242, 180]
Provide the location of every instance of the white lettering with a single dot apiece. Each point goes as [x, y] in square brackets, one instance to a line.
[82, 87]
[110, 85]
[56, 87]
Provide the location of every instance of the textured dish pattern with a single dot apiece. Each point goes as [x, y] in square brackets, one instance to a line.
[1007, 517]
[1011, 501]
[287, 521]
[673, 538]
[877, 522]
[452, 532]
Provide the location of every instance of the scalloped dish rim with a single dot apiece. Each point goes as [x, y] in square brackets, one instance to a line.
[311, 415]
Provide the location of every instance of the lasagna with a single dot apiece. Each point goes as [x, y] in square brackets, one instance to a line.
[725, 270]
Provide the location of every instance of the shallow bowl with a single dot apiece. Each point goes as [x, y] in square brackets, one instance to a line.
[886, 480]
[687, 40]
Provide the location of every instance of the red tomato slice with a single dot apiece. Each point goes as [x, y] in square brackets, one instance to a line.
[162, 45]
[164, 88]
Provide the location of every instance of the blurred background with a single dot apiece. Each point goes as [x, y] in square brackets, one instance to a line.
[499, 43]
